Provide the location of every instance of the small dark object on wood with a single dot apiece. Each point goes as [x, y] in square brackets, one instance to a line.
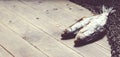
[55, 9]
[37, 18]
[67, 4]
[70, 8]
[10, 21]
[47, 11]
[39, 1]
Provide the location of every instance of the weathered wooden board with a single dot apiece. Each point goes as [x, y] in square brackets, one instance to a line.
[66, 7]
[16, 45]
[4, 52]
[53, 27]
[36, 37]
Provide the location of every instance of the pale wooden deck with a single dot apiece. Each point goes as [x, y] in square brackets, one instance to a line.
[33, 28]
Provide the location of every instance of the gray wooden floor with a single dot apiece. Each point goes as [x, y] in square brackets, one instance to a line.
[32, 28]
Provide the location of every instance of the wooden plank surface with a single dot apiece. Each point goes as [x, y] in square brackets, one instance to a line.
[38, 38]
[16, 45]
[56, 13]
[53, 30]
[67, 7]
[49, 25]
[4, 52]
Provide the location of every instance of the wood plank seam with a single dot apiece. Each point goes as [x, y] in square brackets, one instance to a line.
[7, 50]
[102, 46]
[37, 48]
[25, 40]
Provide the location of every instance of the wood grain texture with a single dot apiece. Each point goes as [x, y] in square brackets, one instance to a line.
[63, 8]
[16, 45]
[42, 23]
[36, 37]
[4, 52]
